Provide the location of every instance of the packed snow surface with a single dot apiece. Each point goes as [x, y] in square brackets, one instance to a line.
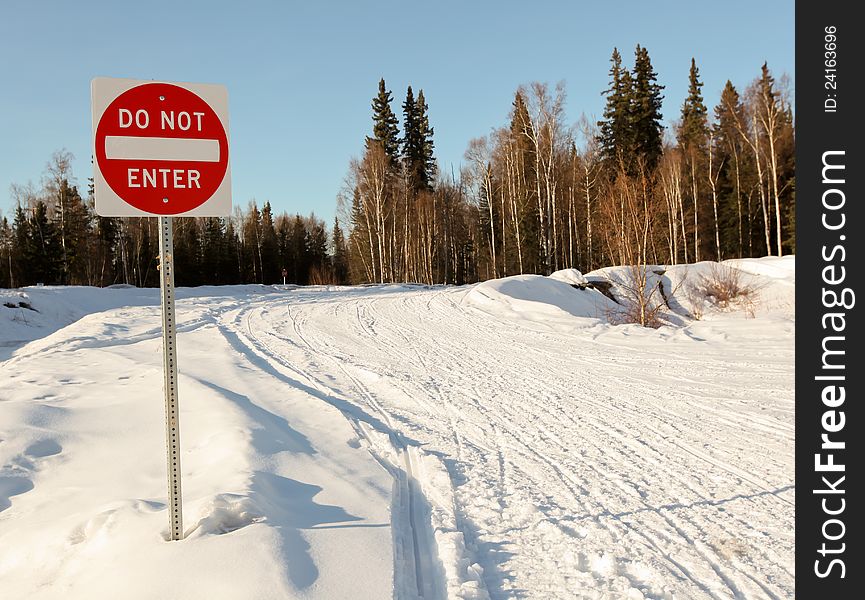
[498, 440]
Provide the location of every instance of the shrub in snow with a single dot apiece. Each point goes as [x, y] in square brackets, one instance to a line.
[639, 292]
[725, 286]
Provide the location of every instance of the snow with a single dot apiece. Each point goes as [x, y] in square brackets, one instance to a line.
[489, 441]
[545, 302]
[571, 276]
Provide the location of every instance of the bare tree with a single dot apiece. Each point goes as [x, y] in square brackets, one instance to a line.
[479, 177]
[713, 174]
[58, 177]
[770, 105]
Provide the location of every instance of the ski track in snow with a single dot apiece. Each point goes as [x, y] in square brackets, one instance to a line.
[605, 462]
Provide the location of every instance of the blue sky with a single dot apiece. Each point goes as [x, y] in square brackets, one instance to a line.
[300, 76]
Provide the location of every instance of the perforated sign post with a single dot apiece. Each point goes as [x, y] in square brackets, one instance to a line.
[161, 150]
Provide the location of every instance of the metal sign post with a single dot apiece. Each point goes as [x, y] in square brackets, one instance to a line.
[169, 355]
[161, 150]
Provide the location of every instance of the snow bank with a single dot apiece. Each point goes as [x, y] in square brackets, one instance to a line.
[773, 267]
[541, 301]
[35, 312]
[556, 303]
[769, 283]
[278, 501]
[571, 276]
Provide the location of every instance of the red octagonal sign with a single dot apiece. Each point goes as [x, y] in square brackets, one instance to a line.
[160, 148]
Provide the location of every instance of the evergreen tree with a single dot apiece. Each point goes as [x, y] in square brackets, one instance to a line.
[358, 242]
[299, 265]
[526, 180]
[187, 253]
[385, 124]
[73, 231]
[787, 176]
[339, 260]
[693, 139]
[7, 244]
[417, 145]
[212, 240]
[20, 243]
[43, 255]
[107, 233]
[283, 241]
[730, 151]
[520, 122]
[694, 130]
[425, 158]
[270, 268]
[616, 136]
[229, 263]
[412, 144]
[251, 247]
[646, 111]
[316, 249]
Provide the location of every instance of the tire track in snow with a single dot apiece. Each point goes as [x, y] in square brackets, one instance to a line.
[711, 555]
[547, 447]
[708, 558]
[424, 579]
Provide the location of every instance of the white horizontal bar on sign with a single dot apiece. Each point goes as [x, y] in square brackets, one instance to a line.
[156, 148]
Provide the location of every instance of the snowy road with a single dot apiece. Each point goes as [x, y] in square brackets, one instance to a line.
[595, 464]
[433, 444]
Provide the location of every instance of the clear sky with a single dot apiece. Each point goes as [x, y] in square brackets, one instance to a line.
[301, 76]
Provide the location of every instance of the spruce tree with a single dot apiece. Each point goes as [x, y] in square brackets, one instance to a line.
[107, 232]
[358, 242]
[271, 271]
[385, 124]
[426, 160]
[73, 230]
[524, 155]
[520, 122]
[730, 152]
[231, 258]
[316, 247]
[283, 241]
[694, 130]
[646, 116]
[187, 252]
[20, 242]
[6, 245]
[299, 267]
[211, 251]
[693, 138]
[340, 254]
[43, 255]
[251, 249]
[412, 143]
[616, 136]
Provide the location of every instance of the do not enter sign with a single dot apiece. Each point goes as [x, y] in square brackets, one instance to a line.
[160, 148]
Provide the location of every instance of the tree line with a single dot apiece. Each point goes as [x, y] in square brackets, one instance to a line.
[55, 237]
[538, 194]
[535, 195]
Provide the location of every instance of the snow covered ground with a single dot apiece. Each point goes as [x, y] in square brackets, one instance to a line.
[500, 440]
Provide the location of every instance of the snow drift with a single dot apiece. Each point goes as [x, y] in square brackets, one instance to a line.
[569, 299]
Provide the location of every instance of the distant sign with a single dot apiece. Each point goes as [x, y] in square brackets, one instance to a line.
[160, 149]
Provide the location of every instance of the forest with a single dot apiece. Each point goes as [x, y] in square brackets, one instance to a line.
[536, 195]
